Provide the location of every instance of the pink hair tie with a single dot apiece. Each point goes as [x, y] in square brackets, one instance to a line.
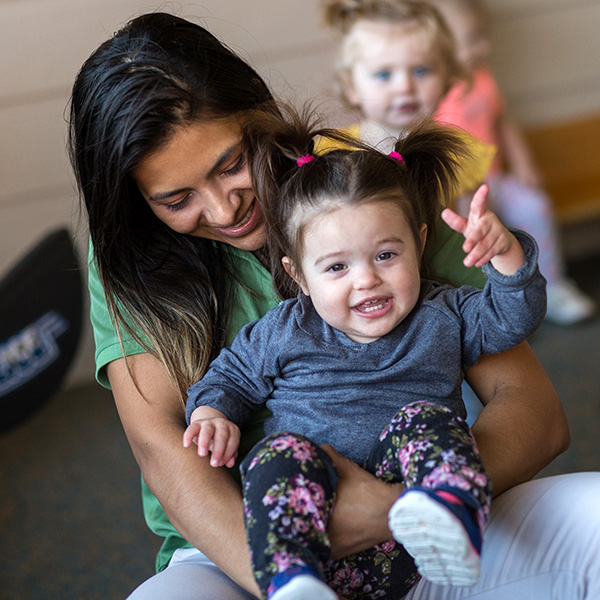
[302, 160]
[397, 156]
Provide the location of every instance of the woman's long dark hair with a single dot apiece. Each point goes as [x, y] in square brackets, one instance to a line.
[420, 183]
[158, 73]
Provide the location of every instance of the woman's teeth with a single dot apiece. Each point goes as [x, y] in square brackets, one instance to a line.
[244, 220]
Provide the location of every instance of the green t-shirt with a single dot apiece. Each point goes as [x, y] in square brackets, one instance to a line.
[253, 296]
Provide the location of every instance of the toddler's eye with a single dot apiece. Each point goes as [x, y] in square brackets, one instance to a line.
[337, 268]
[385, 256]
[383, 75]
[421, 71]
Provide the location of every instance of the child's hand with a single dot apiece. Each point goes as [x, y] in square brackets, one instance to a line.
[214, 433]
[486, 238]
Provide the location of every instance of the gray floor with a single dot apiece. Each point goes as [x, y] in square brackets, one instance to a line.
[71, 525]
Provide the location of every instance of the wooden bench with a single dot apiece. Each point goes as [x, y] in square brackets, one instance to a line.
[568, 154]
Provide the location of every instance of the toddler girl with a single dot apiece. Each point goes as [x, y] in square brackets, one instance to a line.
[478, 107]
[368, 357]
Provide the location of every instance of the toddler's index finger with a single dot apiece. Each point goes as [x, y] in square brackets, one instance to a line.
[454, 220]
[479, 202]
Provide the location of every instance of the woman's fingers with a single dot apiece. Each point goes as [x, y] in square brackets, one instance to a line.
[359, 519]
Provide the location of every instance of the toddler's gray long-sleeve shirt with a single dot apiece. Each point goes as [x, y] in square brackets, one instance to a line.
[319, 383]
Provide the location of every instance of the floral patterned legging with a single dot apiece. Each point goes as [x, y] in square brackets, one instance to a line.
[289, 492]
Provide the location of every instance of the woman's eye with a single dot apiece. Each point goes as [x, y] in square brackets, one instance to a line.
[175, 206]
[383, 75]
[237, 167]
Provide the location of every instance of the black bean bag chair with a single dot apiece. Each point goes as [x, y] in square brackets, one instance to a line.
[41, 306]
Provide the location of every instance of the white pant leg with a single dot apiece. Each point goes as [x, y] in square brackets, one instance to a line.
[542, 542]
[190, 576]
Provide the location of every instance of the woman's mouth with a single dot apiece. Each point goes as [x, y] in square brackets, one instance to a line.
[246, 225]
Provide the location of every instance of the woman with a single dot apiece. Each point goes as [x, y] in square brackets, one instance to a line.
[157, 119]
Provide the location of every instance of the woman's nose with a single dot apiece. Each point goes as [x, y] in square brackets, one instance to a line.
[219, 207]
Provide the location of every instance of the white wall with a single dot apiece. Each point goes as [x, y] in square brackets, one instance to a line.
[546, 56]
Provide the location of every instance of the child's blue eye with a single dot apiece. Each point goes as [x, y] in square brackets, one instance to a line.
[383, 75]
[421, 71]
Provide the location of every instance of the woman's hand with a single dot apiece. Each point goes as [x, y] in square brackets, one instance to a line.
[360, 517]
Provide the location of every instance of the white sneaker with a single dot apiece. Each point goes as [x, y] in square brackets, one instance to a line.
[435, 538]
[567, 304]
[304, 587]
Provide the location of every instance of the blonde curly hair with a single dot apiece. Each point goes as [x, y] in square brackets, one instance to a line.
[341, 16]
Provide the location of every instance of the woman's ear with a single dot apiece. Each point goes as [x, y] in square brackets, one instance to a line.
[291, 270]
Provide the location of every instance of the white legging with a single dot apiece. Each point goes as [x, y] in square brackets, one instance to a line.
[542, 542]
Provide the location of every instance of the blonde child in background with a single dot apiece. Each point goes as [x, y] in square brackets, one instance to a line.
[477, 106]
[397, 61]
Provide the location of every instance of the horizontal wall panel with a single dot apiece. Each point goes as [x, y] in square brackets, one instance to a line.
[518, 8]
[33, 149]
[59, 35]
[26, 223]
[535, 111]
[547, 61]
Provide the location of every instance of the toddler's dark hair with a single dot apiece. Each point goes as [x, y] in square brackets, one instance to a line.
[350, 174]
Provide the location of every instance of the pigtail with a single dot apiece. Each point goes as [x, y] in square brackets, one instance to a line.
[273, 144]
[432, 155]
[299, 168]
[281, 148]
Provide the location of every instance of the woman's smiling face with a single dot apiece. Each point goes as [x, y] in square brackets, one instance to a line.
[198, 184]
